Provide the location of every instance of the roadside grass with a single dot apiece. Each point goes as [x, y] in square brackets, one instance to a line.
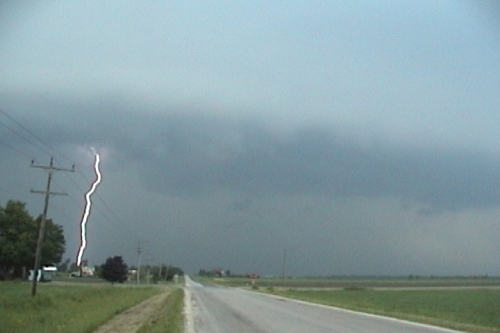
[64, 308]
[470, 310]
[170, 318]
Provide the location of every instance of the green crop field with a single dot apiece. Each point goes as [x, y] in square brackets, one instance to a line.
[352, 282]
[64, 308]
[470, 310]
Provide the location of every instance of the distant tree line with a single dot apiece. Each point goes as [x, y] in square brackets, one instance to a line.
[164, 272]
[115, 270]
[214, 272]
[171, 271]
[18, 241]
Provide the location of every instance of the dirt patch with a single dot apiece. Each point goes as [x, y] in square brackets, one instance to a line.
[130, 320]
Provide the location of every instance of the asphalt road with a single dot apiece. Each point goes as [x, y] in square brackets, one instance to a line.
[213, 309]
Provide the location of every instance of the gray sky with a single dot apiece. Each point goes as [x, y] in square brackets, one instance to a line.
[361, 137]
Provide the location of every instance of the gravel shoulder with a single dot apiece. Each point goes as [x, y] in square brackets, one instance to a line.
[130, 320]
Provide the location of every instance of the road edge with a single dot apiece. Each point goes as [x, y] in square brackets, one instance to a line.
[188, 312]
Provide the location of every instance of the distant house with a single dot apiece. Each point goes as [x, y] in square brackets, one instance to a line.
[219, 272]
[86, 271]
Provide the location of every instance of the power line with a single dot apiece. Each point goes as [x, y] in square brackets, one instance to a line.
[46, 148]
[25, 138]
[33, 135]
[15, 149]
[112, 225]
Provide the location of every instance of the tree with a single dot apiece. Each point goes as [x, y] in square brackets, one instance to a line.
[164, 272]
[18, 239]
[53, 244]
[64, 266]
[171, 271]
[114, 270]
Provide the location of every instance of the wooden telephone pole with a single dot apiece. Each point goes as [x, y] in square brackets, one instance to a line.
[51, 169]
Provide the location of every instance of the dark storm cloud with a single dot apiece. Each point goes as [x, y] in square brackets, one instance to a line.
[316, 161]
[186, 153]
[362, 138]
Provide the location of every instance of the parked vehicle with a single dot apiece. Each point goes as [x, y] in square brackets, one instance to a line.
[43, 275]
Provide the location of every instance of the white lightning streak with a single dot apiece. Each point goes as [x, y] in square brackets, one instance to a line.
[86, 213]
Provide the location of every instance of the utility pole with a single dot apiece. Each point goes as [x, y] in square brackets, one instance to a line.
[284, 268]
[139, 250]
[41, 233]
[148, 272]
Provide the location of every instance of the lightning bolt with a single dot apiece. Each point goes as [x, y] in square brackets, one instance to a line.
[86, 213]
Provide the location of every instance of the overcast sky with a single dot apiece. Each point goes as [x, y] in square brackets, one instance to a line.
[362, 137]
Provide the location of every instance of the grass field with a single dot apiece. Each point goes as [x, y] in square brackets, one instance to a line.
[64, 308]
[470, 310]
[352, 282]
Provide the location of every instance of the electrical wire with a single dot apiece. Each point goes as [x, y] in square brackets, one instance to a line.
[47, 149]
